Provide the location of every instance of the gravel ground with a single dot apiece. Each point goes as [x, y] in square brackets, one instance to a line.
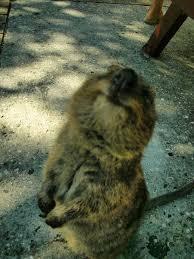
[50, 48]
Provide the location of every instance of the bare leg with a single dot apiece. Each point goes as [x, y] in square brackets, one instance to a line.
[154, 13]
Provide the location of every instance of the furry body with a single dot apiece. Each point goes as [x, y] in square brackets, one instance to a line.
[93, 188]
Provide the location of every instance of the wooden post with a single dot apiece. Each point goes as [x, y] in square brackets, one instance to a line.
[5, 7]
[165, 30]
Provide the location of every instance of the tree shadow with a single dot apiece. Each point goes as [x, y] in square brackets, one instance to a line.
[51, 46]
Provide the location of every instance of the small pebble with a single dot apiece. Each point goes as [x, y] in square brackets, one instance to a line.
[170, 154]
[31, 171]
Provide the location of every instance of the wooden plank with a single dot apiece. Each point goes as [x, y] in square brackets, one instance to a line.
[187, 6]
[3, 10]
[4, 3]
[126, 2]
[5, 6]
[2, 23]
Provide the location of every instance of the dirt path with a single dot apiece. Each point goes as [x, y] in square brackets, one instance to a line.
[50, 48]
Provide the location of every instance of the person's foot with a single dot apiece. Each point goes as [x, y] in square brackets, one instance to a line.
[153, 17]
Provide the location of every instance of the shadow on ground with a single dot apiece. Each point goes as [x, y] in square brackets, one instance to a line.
[49, 50]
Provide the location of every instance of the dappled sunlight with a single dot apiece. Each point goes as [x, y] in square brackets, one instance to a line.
[97, 54]
[135, 36]
[50, 49]
[61, 3]
[166, 106]
[64, 29]
[136, 26]
[58, 43]
[30, 9]
[165, 71]
[13, 196]
[163, 68]
[73, 12]
[29, 117]
[67, 83]
[57, 21]
[25, 73]
[186, 61]
[184, 149]
[114, 45]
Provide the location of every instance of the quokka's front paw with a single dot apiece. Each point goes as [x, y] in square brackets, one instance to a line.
[53, 221]
[45, 203]
[55, 218]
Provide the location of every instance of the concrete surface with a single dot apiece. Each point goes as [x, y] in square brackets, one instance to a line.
[49, 50]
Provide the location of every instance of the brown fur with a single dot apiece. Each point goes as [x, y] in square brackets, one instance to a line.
[93, 187]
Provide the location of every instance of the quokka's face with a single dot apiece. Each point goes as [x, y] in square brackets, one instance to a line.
[118, 105]
[122, 86]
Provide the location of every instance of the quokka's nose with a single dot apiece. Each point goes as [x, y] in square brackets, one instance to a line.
[125, 79]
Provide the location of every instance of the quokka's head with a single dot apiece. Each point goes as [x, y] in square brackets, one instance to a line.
[115, 110]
